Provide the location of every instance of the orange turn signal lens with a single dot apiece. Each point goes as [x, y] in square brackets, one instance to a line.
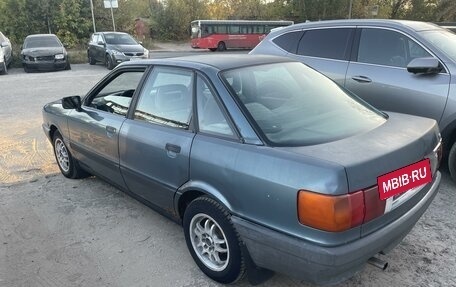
[331, 213]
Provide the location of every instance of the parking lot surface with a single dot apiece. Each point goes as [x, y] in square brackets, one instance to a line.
[60, 232]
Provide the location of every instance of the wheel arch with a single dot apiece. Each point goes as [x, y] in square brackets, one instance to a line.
[194, 189]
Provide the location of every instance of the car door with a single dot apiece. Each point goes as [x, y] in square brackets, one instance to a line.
[378, 74]
[94, 131]
[100, 48]
[155, 141]
[327, 50]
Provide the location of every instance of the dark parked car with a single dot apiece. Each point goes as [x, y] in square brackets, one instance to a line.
[44, 52]
[6, 56]
[401, 66]
[113, 48]
[258, 157]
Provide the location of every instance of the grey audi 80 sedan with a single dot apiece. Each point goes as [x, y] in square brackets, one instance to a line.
[399, 66]
[264, 161]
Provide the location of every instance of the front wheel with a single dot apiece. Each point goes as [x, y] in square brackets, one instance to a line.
[212, 240]
[67, 164]
[109, 63]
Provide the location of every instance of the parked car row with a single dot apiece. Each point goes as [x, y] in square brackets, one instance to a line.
[45, 52]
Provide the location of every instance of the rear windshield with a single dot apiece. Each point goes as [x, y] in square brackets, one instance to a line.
[293, 105]
[120, 39]
[42, 42]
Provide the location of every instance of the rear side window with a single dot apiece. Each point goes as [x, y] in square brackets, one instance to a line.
[289, 41]
[327, 43]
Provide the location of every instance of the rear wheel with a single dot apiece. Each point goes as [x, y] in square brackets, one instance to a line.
[4, 68]
[26, 69]
[452, 161]
[221, 46]
[67, 164]
[212, 240]
[92, 61]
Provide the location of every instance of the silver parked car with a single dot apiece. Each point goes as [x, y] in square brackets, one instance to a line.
[400, 66]
[263, 160]
[6, 56]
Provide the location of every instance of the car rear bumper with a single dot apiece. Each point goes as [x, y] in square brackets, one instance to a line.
[321, 264]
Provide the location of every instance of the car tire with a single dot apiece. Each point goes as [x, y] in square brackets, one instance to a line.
[109, 64]
[452, 161]
[92, 61]
[68, 66]
[213, 241]
[68, 166]
[5, 68]
[212, 49]
[221, 46]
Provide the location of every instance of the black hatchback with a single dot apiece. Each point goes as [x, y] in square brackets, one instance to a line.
[44, 52]
[113, 48]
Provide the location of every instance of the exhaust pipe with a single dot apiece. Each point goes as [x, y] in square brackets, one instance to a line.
[378, 263]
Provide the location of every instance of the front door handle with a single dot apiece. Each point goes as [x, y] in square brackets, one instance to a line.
[362, 79]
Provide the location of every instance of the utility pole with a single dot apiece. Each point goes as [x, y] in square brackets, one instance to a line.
[112, 15]
[93, 16]
[350, 9]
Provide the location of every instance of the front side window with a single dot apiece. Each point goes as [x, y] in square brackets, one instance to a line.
[294, 105]
[326, 43]
[388, 48]
[166, 98]
[116, 95]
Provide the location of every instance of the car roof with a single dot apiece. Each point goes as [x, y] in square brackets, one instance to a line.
[404, 24]
[111, 32]
[40, 35]
[220, 62]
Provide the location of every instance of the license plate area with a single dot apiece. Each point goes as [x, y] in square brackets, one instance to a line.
[395, 185]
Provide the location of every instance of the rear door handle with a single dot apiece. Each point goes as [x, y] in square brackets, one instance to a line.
[173, 148]
[362, 79]
[110, 131]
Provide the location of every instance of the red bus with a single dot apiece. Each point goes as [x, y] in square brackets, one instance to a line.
[222, 34]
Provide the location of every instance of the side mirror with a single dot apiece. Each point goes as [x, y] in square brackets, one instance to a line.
[140, 43]
[73, 102]
[3, 44]
[101, 43]
[426, 66]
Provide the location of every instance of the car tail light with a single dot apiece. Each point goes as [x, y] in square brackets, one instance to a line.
[341, 212]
